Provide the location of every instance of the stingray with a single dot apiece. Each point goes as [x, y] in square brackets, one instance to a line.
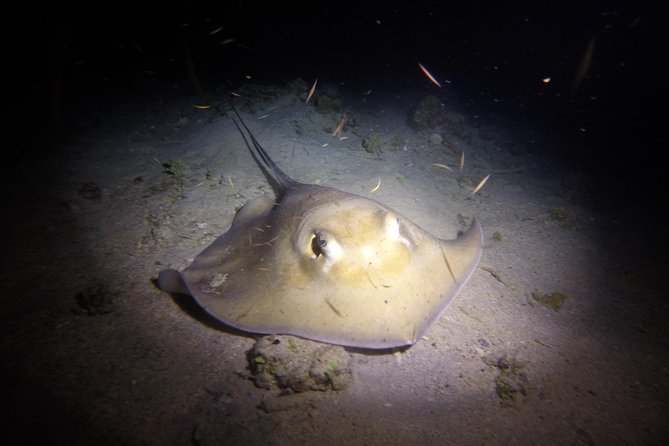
[326, 265]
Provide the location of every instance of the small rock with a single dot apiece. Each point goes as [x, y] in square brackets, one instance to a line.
[436, 139]
[297, 365]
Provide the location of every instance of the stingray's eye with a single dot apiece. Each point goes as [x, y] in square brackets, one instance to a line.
[326, 245]
[318, 243]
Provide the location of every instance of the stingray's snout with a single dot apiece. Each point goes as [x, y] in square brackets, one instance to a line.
[171, 281]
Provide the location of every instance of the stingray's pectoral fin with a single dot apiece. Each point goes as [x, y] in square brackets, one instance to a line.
[171, 281]
[462, 255]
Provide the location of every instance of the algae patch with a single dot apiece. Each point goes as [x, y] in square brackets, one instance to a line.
[96, 300]
[562, 218]
[553, 300]
[294, 365]
[373, 144]
[511, 382]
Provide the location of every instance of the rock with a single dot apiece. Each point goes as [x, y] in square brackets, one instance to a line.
[436, 139]
[297, 365]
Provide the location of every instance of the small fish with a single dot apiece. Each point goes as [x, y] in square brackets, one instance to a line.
[443, 166]
[201, 107]
[137, 47]
[480, 185]
[583, 66]
[429, 76]
[376, 187]
[311, 92]
[462, 161]
[340, 127]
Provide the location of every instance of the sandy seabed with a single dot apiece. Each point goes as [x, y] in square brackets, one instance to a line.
[558, 338]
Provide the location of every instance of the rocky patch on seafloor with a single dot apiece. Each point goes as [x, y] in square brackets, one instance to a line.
[293, 364]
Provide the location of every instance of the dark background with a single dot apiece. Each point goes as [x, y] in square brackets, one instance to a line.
[495, 55]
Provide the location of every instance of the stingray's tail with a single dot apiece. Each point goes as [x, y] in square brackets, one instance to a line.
[270, 168]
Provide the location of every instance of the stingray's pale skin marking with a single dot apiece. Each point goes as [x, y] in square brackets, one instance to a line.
[327, 265]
